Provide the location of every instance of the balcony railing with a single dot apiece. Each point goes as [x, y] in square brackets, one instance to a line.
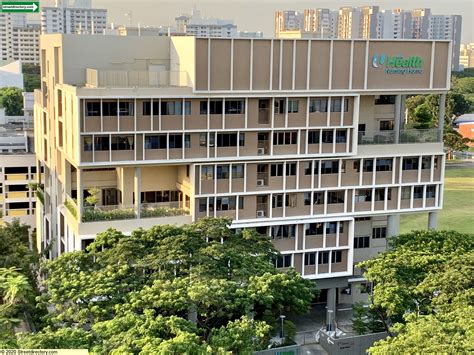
[406, 136]
[136, 78]
[147, 210]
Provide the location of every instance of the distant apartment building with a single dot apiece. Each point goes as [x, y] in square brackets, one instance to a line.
[371, 22]
[140, 31]
[466, 55]
[198, 26]
[17, 172]
[302, 140]
[288, 21]
[19, 39]
[73, 20]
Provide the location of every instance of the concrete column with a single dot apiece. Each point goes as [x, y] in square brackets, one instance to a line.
[331, 309]
[441, 114]
[403, 111]
[398, 117]
[393, 225]
[432, 220]
[137, 188]
[80, 194]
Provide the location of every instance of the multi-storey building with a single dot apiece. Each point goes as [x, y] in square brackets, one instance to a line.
[303, 140]
[397, 24]
[466, 55]
[288, 21]
[73, 20]
[17, 172]
[196, 25]
[19, 39]
[321, 22]
[370, 24]
[348, 23]
[447, 27]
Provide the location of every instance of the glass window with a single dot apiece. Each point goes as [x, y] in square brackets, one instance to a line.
[341, 136]
[328, 136]
[175, 141]
[314, 228]
[318, 105]
[279, 106]
[290, 169]
[331, 227]
[335, 197]
[426, 162]
[323, 257]
[237, 171]
[109, 108]
[406, 193]
[203, 204]
[234, 107]
[171, 107]
[336, 256]
[386, 125]
[363, 195]
[361, 242]
[277, 201]
[336, 104]
[283, 261]
[284, 138]
[418, 192]
[310, 259]
[227, 139]
[225, 203]
[379, 232]
[155, 142]
[276, 169]
[87, 144]
[283, 231]
[207, 172]
[410, 163]
[203, 139]
[430, 191]
[313, 137]
[92, 109]
[308, 165]
[126, 108]
[329, 167]
[222, 172]
[101, 143]
[293, 106]
[384, 164]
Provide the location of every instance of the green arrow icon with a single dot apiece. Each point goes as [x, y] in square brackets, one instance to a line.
[19, 6]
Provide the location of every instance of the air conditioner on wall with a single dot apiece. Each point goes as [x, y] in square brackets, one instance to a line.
[260, 214]
[260, 182]
[261, 151]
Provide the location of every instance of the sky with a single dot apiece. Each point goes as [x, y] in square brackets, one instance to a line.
[257, 15]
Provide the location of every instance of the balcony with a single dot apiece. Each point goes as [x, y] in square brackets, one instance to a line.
[406, 136]
[136, 78]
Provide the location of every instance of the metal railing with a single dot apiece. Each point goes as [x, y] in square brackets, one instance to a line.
[136, 78]
[405, 136]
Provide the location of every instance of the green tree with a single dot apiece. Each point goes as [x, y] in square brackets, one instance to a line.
[11, 99]
[171, 289]
[423, 285]
[411, 103]
[423, 117]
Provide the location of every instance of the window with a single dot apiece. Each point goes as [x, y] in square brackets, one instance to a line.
[147, 108]
[207, 172]
[237, 171]
[329, 167]
[313, 137]
[291, 200]
[307, 198]
[323, 257]
[222, 172]
[336, 104]
[314, 228]
[386, 125]
[279, 106]
[379, 232]
[203, 139]
[284, 138]
[406, 193]
[384, 165]
[175, 107]
[283, 261]
[290, 169]
[410, 163]
[418, 192]
[175, 141]
[430, 191]
[331, 227]
[92, 109]
[341, 136]
[318, 198]
[155, 142]
[277, 201]
[276, 169]
[328, 136]
[336, 256]
[368, 166]
[361, 242]
[101, 143]
[385, 100]
[293, 106]
[159, 196]
[234, 107]
[318, 105]
[335, 197]
[363, 195]
[225, 203]
[286, 231]
[227, 139]
[310, 259]
[309, 164]
[109, 108]
[87, 144]
[187, 141]
[122, 142]
[426, 162]
[215, 107]
[126, 108]
[203, 204]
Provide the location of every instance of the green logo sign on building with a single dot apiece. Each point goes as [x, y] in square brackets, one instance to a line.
[398, 64]
[19, 6]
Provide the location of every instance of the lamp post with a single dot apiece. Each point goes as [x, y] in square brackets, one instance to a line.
[282, 318]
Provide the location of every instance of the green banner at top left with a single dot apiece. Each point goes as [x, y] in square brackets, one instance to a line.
[19, 6]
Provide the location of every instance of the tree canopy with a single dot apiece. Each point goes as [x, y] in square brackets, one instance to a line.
[11, 99]
[195, 288]
[423, 288]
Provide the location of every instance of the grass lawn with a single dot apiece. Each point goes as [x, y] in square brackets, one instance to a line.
[458, 208]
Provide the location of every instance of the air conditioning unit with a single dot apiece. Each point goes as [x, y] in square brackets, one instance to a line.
[261, 151]
[260, 182]
[260, 214]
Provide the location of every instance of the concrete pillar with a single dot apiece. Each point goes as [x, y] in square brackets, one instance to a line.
[80, 194]
[403, 111]
[137, 189]
[393, 225]
[432, 220]
[331, 309]
[441, 114]
[398, 118]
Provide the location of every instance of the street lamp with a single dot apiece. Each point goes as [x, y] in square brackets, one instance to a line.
[282, 318]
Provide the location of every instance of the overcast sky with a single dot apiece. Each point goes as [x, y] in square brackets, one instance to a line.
[257, 15]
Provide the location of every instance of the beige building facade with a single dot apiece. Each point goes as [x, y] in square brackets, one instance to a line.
[303, 140]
